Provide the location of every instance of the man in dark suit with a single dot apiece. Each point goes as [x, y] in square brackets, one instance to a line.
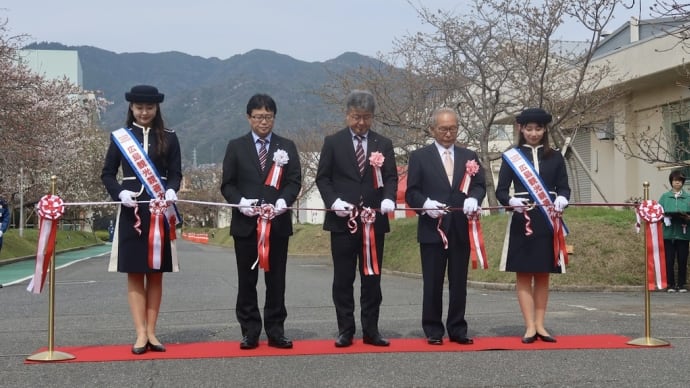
[434, 183]
[249, 161]
[347, 180]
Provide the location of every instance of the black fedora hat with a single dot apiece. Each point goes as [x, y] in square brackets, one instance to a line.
[533, 115]
[144, 94]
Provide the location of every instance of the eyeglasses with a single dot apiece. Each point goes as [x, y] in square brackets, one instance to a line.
[357, 118]
[260, 118]
[447, 129]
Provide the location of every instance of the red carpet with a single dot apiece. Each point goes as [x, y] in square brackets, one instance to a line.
[105, 353]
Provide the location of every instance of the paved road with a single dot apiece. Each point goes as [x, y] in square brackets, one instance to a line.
[91, 308]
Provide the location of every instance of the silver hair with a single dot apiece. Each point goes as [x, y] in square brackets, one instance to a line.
[361, 100]
[438, 111]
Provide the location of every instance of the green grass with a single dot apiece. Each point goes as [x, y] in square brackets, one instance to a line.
[14, 246]
[606, 249]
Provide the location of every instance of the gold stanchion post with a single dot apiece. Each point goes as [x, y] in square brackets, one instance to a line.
[647, 340]
[51, 354]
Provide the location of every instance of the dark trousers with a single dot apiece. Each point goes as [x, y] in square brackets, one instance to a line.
[247, 307]
[346, 250]
[676, 249]
[434, 261]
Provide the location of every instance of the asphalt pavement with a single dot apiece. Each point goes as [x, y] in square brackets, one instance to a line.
[198, 305]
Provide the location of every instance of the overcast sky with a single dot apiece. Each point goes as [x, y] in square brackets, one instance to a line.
[309, 30]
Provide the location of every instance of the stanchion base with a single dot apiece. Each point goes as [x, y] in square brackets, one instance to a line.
[648, 341]
[50, 356]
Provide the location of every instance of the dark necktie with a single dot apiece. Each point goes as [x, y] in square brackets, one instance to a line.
[262, 153]
[359, 153]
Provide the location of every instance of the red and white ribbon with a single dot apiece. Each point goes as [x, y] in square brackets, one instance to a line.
[137, 219]
[376, 161]
[50, 209]
[652, 212]
[477, 249]
[352, 220]
[471, 169]
[560, 251]
[263, 235]
[369, 256]
[528, 222]
[275, 174]
[157, 208]
[442, 233]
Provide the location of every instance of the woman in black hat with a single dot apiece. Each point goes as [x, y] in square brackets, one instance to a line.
[145, 138]
[530, 250]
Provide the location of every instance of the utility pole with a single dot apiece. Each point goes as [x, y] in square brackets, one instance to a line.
[21, 201]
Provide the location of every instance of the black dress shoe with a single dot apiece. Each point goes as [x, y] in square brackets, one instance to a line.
[249, 342]
[280, 342]
[545, 338]
[343, 341]
[529, 340]
[434, 341]
[139, 350]
[156, 348]
[375, 340]
[462, 340]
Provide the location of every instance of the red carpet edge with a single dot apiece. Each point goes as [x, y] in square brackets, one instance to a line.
[227, 349]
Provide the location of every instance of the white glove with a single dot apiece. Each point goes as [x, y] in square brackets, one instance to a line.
[247, 207]
[387, 206]
[170, 196]
[280, 207]
[517, 204]
[667, 221]
[127, 198]
[560, 203]
[342, 208]
[470, 205]
[1, 233]
[434, 209]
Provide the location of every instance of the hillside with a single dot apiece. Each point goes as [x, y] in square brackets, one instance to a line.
[206, 98]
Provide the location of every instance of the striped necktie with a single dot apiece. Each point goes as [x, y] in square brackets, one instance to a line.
[359, 153]
[262, 153]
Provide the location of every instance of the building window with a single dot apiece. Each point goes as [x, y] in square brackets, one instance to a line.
[681, 131]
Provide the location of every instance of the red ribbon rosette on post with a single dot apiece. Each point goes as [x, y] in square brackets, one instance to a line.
[376, 161]
[471, 169]
[263, 234]
[652, 213]
[477, 249]
[50, 209]
[369, 257]
[157, 208]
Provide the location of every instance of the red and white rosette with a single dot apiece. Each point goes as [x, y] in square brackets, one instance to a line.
[50, 209]
[263, 234]
[477, 249]
[652, 212]
[275, 175]
[471, 169]
[560, 251]
[376, 161]
[369, 256]
[157, 208]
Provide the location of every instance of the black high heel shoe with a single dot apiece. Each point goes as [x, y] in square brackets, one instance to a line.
[139, 350]
[529, 340]
[156, 348]
[545, 338]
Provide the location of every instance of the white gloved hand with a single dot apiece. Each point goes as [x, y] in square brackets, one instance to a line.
[434, 209]
[127, 198]
[517, 204]
[667, 221]
[1, 233]
[560, 203]
[342, 208]
[387, 206]
[170, 196]
[247, 207]
[280, 207]
[470, 205]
